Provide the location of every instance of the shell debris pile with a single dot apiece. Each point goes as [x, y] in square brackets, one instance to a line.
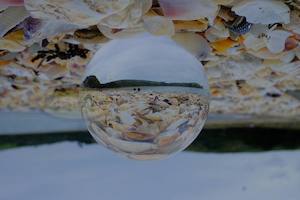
[158, 124]
[250, 49]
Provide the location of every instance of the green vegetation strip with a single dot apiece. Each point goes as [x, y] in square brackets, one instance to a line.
[210, 140]
[92, 82]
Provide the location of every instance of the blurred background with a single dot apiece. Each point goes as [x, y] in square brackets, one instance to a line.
[45, 157]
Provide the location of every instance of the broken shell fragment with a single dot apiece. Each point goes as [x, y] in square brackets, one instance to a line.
[11, 17]
[189, 9]
[194, 43]
[11, 46]
[158, 25]
[263, 12]
[276, 40]
[190, 26]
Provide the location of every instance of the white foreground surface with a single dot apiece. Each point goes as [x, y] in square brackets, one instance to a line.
[66, 171]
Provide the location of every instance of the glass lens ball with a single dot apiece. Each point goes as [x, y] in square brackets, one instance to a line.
[144, 97]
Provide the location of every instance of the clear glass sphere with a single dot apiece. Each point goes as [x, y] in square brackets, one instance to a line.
[144, 97]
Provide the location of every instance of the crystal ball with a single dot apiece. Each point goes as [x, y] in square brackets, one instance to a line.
[144, 97]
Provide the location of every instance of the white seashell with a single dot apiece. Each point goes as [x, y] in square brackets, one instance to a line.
[84, 13]
[128, 17]
[158, 25]
[126, 117]
[263, 11]
[289, 56]
[217, 32]
[265, 53]
[276, 40]
[288, 68]
[50, 28]
[259, 30]
[189, 9]
[253, 43]
[11, 17]
[194, 43]
[120, 33]
[74, 12]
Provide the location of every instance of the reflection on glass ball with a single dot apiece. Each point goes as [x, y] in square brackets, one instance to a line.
[144, 97]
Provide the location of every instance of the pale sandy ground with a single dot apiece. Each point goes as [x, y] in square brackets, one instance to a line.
[66, 171]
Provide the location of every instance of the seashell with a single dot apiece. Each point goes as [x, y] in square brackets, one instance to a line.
[245, 89]
[158, 25]
[174, 125]
[223, 46]
[11, 17]
[153, 117]
[263, 12]
[126, 118]
[11, 46]
[53, 71]
[16, 36]
[52, 29]
[119, 127]
[289, 56]
[276, 40]
[288, 68]
[291, 43]
[217, 32]
[138, 136]
[89, 36]
[134, 147]
[112, 132]
[294, 24]
[13, 41]
[226, 14]
[120, 33]
[129, 17]
[167, 138]
[146, 126]
[240, 26]
[189, 9]
[259, 30]
[254, 43]
[17, 70]
[295, 4]
[190, 26]
[194, 43]
[82, 13]
[265, 53]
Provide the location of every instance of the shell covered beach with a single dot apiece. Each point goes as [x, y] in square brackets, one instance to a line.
[249, 49]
